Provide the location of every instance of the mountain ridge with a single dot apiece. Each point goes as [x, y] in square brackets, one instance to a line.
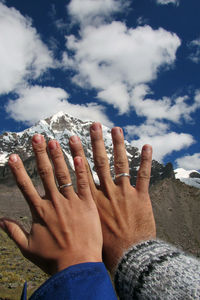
[60, 127]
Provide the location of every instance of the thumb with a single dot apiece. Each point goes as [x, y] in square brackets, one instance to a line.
[15, 232]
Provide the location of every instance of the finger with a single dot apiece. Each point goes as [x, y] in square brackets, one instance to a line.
[43, 164]
[83, 188]
[100, 156]
[120, 157]
[144, 173]
[15, 232]
[23, 181]
[60, 168]
[77, 150]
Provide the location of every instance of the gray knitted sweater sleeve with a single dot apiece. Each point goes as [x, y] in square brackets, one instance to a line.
[156, 270]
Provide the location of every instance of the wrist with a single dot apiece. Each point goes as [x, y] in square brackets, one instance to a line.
[113, 255]
[65, 263]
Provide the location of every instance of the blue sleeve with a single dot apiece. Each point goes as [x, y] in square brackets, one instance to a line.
[82, 281]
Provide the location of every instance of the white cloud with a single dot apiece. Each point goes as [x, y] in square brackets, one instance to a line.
[172, 109]
[142, 21]
[195, 46]
[113, 57]
[117, 92]
[189, 162]
[158, 135]
[36, 102]
[154, 131]
[197, 98]
[165, 2]
[22, 53]
[147, 129]
[61, 25]
[94, 11]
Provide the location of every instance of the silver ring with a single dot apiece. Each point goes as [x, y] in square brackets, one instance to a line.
[122, 175]
[64, 185]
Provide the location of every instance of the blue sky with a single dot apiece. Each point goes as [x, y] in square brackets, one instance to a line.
[134, 64]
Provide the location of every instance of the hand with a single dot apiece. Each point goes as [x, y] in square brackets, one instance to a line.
[66, 228]
[125, 212]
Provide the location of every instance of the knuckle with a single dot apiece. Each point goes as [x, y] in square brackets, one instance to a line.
[100, 162]
[82, 180]
[144, 174]
[118, 141]
[82, 184]
[96, 136]
[61, 176]
[57, 155]
[17, 167]
[44, 171]
[121, 164]
[40, 210]
[77, 147]
[146, 159]
[40, 149]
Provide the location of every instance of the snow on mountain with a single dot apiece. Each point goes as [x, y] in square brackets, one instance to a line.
[60, 127]
[3, 158]
[191, 177]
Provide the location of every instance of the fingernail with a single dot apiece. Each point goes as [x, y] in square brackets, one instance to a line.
[38, 138]
[96, 126]
[53, 145]
[13, 158]
[147, 148]
[74, 139]
[117, 131]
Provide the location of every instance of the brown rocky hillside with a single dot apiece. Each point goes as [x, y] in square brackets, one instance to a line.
[177, 212]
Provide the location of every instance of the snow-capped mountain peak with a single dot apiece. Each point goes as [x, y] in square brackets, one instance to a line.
[190, 177]
[60, 127]
[55, 127]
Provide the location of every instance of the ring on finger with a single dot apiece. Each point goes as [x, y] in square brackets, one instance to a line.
[64, 185]
[122, 175]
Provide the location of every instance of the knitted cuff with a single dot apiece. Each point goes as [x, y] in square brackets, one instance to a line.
[156, 270]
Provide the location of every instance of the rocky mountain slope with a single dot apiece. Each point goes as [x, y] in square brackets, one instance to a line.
[176, 208]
